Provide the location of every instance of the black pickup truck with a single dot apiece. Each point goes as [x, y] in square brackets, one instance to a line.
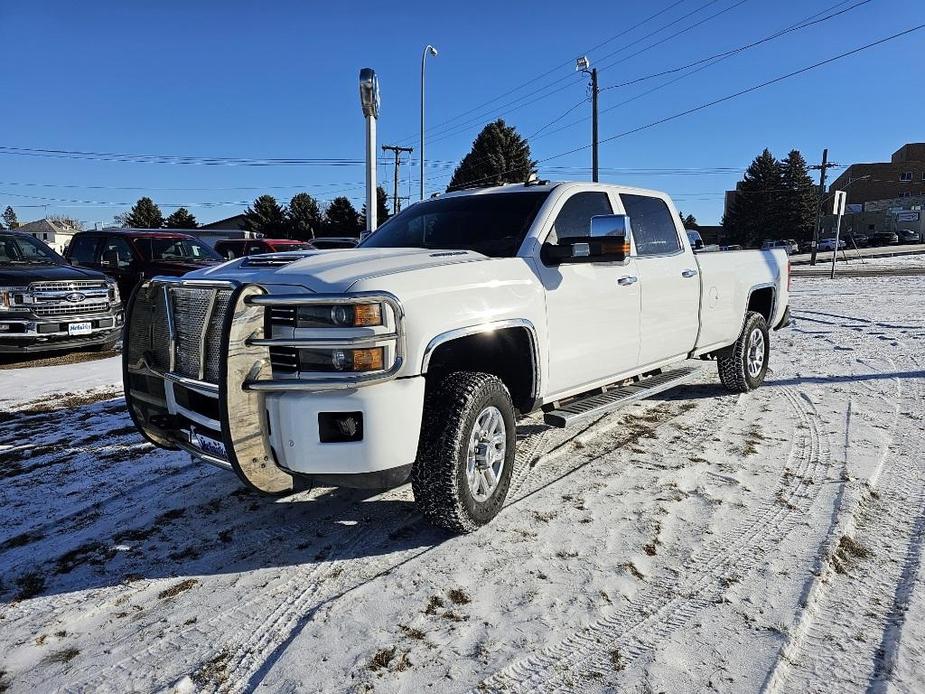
[45, 304]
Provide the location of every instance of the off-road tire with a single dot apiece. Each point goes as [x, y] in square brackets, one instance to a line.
[732, 361]
[438, 478]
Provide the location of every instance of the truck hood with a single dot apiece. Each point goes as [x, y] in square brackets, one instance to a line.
[21, 275]
[335, 271]
[175, 268]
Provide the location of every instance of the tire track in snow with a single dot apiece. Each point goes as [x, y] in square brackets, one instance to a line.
[251, 657]
[245, 636]
[848, 599]
[672, 600]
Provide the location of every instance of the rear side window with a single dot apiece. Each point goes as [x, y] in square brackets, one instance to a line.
[83, 249]
[652, 224]
[574, 219]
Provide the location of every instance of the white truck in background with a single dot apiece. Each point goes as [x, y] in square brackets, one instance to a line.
[414, 354]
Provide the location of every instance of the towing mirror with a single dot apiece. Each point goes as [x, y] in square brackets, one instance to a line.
[610, 226]
[609, 241]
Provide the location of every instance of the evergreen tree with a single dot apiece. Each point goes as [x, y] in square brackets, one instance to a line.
[799, 199]
[688, 222]
[266, 217]
[304, 217]
[9, 218]
[181, 219]
[382, 208]
[341, 218]
[145, 215]
[755, 213]
[498, 155]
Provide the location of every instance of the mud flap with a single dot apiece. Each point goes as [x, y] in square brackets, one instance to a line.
[243, 412]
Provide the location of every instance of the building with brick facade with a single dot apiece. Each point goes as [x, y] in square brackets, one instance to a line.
[901, 177]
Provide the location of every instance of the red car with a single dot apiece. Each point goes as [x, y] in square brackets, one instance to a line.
[235, 248]
[131, 255]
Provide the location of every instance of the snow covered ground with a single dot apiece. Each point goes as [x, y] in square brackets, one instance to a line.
[771, 541]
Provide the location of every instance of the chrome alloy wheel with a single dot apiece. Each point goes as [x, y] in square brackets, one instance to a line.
[487, 452]
[754, 359]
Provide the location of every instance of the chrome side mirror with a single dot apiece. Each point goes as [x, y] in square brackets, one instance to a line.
[609, 225]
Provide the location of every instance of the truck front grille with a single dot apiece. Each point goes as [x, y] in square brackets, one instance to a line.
[72, 309]
[67, 286]
[198, 316]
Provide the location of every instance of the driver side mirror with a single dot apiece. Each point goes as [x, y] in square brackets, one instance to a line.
[608, 241]
[110, 259]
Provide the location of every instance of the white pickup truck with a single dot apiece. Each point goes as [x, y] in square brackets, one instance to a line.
[414, 354]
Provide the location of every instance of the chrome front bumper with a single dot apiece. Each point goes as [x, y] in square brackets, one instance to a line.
[170, 397]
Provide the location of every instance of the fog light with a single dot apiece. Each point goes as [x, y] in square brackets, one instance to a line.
[340, 427]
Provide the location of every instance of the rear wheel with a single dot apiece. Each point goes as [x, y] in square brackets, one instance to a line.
[743, 365]
[466, 453]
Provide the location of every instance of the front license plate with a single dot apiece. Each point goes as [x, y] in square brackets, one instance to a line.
[79, 328]
[208, 445]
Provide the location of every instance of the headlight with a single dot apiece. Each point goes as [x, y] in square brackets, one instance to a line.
[11, 298]
[114, 297]
[344, 360]
[339, 316]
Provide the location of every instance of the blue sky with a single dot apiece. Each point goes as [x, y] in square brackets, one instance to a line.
[277, 80]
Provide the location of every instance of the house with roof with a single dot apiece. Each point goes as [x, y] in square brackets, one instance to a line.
[54, 233]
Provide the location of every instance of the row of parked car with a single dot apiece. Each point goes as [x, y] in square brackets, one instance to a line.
[848, 240]
[49, 301]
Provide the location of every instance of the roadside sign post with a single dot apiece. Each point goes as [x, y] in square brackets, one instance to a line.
[369, 101]
[840, 198]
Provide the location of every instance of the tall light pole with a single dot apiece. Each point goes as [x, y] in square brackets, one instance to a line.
[584, 65]
[369, 101]
[433, 51]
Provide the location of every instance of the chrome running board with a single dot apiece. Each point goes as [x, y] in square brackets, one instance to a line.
[600, 404]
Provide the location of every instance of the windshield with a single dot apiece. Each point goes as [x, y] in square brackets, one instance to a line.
[186, 250]
[494, 224]
[24, 250]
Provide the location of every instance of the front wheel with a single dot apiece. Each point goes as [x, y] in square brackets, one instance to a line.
[742, 366]
[466, 453]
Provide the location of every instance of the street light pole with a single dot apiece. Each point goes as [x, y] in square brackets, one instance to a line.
[433, 51]
[369, 102]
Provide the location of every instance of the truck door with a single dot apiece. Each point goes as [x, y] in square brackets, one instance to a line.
[668, 277]
[117, 261]
[592, 308]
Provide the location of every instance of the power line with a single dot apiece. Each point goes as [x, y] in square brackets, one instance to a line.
[515, 104]
[742, 92]
[533, 80]
[705, 63]
[734, 95]
[803, 24]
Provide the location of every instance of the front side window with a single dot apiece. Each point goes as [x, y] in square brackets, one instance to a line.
[652, 224]
[494, 224]
[116, 253]
[24, 250]
[185, 250]
[574, 219]
[83, 249]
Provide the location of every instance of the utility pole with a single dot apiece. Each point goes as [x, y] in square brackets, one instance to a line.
[594, 92]
[823, 167]
[396, 150]
[584, 65]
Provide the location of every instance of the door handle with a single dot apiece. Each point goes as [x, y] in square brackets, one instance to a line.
[627, 280]
[689, 273]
